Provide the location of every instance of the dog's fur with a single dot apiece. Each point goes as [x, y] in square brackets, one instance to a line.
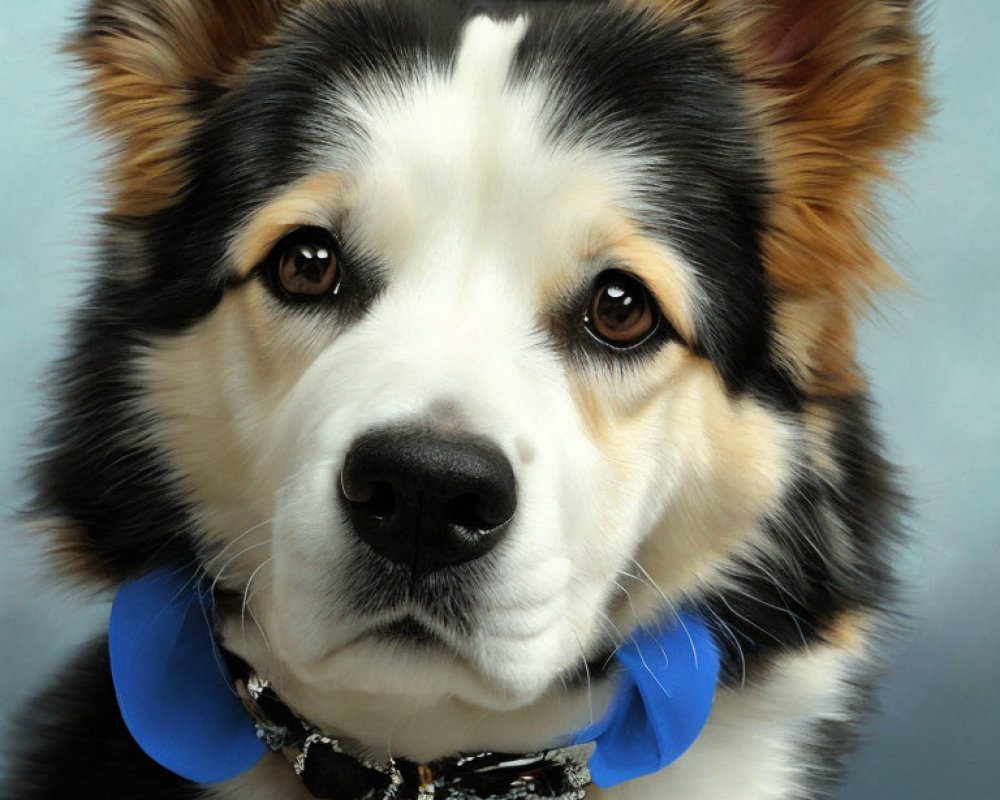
[482, 163]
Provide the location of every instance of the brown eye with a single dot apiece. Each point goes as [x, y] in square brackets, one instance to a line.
[306, 262]
[622, 314]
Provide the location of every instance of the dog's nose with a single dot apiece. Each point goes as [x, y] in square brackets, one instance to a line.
[428, 499]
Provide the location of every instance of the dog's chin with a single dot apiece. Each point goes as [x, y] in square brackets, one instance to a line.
[386, 683]
[419, 666]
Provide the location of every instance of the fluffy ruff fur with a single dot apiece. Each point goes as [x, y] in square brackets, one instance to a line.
[483, 168]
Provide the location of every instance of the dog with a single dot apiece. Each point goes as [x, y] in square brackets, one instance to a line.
[446, 345]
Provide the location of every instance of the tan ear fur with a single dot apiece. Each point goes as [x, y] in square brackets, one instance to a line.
[838, 89]
[148, 63]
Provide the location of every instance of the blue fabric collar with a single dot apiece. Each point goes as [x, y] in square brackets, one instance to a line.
[179, 704]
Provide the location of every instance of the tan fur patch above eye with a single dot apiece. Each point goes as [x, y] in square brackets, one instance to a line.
[662, 272]
[313, 201]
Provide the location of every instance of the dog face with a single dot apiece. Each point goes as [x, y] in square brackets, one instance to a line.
[497, 272]
[453, 343]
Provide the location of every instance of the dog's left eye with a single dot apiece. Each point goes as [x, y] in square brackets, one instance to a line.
[622, 313]
[306, 263]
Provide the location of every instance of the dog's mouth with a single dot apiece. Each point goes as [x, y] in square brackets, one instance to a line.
[408, 630]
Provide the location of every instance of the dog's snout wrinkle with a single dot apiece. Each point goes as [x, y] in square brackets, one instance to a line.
[428, 499]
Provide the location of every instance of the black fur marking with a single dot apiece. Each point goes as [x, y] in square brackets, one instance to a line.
[75, 746]
[830, 741]
[98, 472]
[833, 545]
[622, 80]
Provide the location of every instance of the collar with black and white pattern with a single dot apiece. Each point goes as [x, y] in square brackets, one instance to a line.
[329, 770]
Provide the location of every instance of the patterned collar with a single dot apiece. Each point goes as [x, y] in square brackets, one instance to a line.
[328, 769]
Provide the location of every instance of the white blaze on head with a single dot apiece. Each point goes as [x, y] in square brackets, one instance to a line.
[457, 166]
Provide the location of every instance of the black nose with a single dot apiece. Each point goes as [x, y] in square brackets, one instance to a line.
[428, 499]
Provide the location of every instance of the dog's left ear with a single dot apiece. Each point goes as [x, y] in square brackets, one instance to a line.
[838, 85]
[838, 88]
[152, 65]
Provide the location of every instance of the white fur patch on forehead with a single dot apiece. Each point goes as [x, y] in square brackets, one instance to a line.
[442, 103]
[439, 148]
[457, 169]
[486, 53]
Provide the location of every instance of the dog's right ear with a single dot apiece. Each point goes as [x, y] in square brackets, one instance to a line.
[151, 65]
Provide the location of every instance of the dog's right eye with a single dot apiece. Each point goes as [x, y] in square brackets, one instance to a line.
[305, 264]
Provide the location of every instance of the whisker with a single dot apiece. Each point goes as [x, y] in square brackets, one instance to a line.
[263, 635]
[672, 607]
[246, 593]
[796, 619]
[749, 621]
[232, 543]
[586, 667]
[726, 629]
[618, 640]
[652, 674]
[242, 552]
[638, 649]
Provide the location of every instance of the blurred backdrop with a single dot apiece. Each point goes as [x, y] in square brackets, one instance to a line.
[933, 356]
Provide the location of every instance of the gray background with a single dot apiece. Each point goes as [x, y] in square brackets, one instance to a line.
[932, 355]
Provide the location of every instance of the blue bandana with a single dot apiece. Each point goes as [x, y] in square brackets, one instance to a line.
[178, 702]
